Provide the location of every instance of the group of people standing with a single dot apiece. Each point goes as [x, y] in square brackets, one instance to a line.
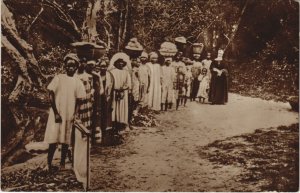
[105, 93]
[178, 79]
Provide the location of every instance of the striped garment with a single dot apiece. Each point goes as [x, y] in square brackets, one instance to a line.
[86, 108]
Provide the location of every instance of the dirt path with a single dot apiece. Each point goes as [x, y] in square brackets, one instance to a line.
[165, 158]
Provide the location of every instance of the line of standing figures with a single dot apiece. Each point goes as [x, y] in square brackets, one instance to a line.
[105, 93]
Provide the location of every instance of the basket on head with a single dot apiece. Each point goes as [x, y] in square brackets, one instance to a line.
[168, 49]
[197, 48]
[134, 49]
[88, 50]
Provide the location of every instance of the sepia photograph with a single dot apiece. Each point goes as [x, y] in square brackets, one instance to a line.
[150, 95]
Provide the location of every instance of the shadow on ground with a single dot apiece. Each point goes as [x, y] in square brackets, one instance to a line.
[269, 157]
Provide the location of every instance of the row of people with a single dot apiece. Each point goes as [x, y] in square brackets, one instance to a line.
[104, 94]
[176, 80]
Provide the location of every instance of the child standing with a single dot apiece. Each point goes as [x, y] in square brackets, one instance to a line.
[204, 85]
[168, 77]
[65, 94]
[188, 80]
[179, 81]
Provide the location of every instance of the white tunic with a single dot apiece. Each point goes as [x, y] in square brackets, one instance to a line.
[154, 96]
[144, 74]
[168, 77]
[121, 80]
[67, 90]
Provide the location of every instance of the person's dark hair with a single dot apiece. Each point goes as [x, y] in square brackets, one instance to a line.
[179, 53]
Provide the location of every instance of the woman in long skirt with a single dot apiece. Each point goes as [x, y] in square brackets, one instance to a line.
[219, 81]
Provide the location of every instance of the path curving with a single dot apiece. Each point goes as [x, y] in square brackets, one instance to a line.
[165, 158]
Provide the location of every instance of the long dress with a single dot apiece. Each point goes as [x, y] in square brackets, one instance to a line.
[219, 84]
[121, 83]
[196, 70]
[154, 99]
[144, 75]
[168, 76]
[106, 101]
[99, 90]
[86, 108]
[178, 84]
[67, 90]
[188, 81]
[135, 84]
[204, 86]
[135, 97]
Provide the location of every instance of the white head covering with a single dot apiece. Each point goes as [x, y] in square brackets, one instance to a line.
[153, 55]
[117, 56]
[91, 62]
[181, 39]
[168, 59]
[168, 49]
[220, 55]
[71, 56]
[144, 54]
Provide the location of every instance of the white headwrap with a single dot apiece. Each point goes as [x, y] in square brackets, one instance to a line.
[220, 55]
[144, 54]
[168, 59]
[71, 56]
[153, 55]
[91, 62]
[117, 56]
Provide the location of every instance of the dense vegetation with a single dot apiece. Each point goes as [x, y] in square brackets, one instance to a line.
[260, 39]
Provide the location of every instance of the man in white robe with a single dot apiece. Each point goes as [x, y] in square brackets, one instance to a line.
[144, 77]
[154, 97]
[120, 83]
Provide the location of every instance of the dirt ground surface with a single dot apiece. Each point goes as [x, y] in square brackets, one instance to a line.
[169, 157]
[183, 152]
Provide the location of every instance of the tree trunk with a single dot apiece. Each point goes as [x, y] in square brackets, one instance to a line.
[17, 57]
[119, 39]
[18, 49]
[237, 26]
[124, 33]
[29, 76]
[69, 22]
[123, 23]
[90, 23]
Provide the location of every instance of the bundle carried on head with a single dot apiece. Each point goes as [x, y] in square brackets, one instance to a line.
[134, 49]
[197, 48]
[88, 50]
[168, 49]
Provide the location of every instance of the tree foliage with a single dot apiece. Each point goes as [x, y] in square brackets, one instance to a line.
[260, 38]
